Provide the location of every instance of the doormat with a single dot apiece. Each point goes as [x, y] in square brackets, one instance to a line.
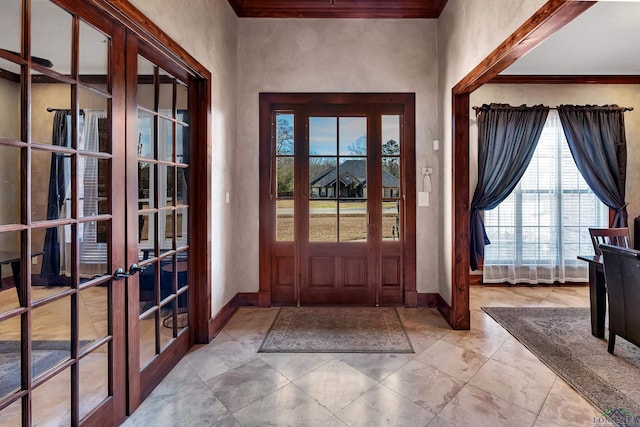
[561, 338]
[336, 330]
[44, 355]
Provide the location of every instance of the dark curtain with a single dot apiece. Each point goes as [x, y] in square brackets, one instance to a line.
[57, 190]
[598, 144]
[507, 138]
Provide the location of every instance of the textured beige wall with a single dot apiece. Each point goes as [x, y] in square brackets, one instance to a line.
[207, 29]
[334, 55]
[468, 31]
[9, 164]
[554, 95]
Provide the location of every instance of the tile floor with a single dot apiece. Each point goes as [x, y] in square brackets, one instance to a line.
[481, 377]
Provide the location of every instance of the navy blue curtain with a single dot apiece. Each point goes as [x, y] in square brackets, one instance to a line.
[598, 145]
[507, 138]
[57, 191]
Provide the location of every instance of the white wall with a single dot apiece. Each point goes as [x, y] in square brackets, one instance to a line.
[554, 95]
[208, 31]
[334, 55]
[468, 31]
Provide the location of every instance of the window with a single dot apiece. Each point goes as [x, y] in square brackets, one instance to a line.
[539, 230]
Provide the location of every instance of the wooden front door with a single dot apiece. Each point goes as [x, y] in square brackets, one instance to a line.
[337, 211]
[340, 190]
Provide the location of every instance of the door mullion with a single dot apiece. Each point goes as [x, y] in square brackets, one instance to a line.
[301, 204]
[374, 201]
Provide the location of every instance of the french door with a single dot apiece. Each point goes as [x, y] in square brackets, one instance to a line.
[95, 158]
[62, 314]
[337, 199]
[158, 162]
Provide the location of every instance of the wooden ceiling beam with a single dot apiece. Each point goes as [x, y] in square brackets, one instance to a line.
[554, 15]
[397, 9]
[566, 79]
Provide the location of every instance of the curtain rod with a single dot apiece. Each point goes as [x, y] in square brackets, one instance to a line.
[51, 110]
[476, 108]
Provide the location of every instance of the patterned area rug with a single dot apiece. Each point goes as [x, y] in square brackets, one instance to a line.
[44, 355]
[336, 330]
[561, 338]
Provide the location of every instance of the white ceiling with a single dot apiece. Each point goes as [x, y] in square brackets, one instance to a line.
[604, 40]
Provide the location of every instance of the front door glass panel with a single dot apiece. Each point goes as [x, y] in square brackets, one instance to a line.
[285, 175]
[391, 178]
[338, 184]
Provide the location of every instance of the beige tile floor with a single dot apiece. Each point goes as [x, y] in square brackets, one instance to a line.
[481, 377]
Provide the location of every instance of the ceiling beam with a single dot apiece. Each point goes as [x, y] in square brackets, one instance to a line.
[398, 9]
[566, 79]
[554, 15]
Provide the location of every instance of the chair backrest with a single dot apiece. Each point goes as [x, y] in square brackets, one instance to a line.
[609, 236]
[622, 276]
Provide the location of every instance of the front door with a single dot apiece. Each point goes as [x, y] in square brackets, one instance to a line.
[340, 190]
[336, 199]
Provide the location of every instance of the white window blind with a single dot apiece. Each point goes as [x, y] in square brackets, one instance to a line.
[539, 230]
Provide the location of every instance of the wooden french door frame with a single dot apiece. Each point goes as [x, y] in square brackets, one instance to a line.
[268, 248]
[110, 409]
[142, 381]
[114, 19]
[552, 16]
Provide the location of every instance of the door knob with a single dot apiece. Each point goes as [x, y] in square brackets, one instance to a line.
[120, 274]
[135, 268]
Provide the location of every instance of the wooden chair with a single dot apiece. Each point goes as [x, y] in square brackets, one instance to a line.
[622, 273]
[609, 236]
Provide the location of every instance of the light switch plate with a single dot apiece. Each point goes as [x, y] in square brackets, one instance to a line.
[423, 198]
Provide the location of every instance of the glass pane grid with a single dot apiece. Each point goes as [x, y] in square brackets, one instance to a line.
[47, 51]
[284, 133]
[391, 219]
[10, 184]
[285, 177]
[285, 220]
[93, 372]
[352, 136]
[390, 135]
[323, 221]
[10, 122]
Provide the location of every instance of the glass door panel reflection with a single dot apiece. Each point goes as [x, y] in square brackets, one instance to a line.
[163, 156]
[10, 122]
[10, 167]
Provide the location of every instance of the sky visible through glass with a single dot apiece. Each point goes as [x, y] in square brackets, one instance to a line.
[323, 133]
